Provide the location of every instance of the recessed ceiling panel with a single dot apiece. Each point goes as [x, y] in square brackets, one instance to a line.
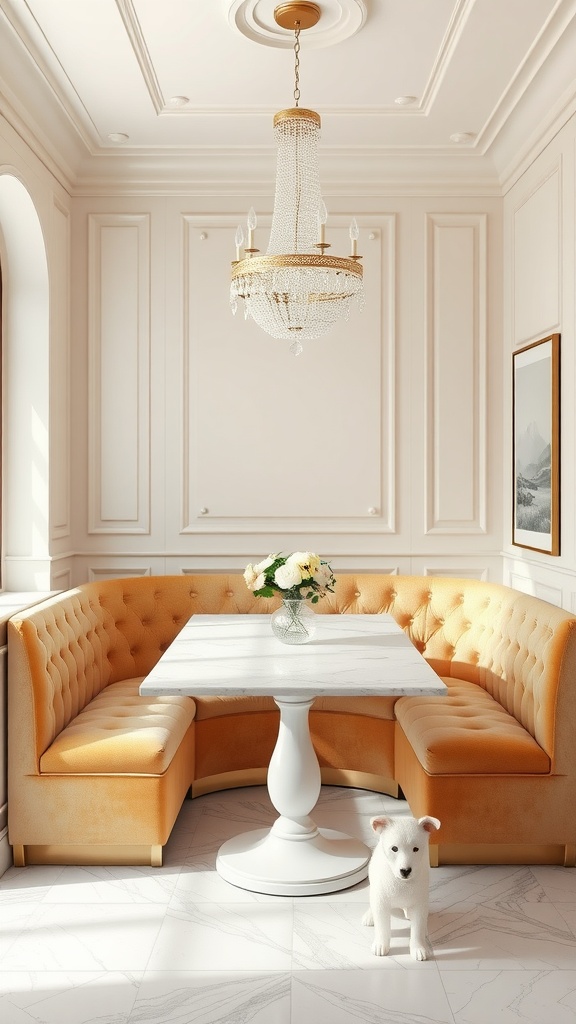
[179, 76]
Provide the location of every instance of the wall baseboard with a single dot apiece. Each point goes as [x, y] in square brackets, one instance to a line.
[5, 854]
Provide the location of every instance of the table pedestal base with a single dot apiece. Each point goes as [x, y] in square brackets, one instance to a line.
[262, 861]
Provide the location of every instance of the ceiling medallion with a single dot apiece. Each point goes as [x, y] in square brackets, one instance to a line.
[295, 291]
[263, 21]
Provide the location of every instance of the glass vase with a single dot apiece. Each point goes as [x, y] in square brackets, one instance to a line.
[293, 622]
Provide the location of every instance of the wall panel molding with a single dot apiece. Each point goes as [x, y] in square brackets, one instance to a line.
[60, 378]
[458, 572]
[62, 580]
[536, 257]
[102, 572]
[313, 479]
[119, 346]
[456, 373]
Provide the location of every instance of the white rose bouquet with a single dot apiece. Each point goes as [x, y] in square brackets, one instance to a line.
[301, 576]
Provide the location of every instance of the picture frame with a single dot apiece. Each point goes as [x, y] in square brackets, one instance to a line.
[536, 446]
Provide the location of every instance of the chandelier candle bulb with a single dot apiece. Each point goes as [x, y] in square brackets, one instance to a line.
[252, 222]
[322, 218]
[354, 235]
[239, 238]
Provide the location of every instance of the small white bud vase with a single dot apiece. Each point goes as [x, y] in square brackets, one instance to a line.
[294, 622]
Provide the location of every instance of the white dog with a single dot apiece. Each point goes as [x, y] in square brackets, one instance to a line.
[399, 871]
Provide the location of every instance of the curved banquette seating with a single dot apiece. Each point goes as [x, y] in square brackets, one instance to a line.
[97, 773]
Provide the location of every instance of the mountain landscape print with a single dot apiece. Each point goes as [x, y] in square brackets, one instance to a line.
[536, 435]
[533, 481]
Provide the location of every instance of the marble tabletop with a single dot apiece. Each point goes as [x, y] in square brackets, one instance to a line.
[350, 655]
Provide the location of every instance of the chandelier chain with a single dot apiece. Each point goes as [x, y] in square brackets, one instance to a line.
[297, 64]
[295, 290]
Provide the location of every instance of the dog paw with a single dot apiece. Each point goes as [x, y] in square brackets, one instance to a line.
[419, 953]
[379, 949]
[368, 919]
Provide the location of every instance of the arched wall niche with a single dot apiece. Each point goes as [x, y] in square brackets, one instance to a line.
[26, 382]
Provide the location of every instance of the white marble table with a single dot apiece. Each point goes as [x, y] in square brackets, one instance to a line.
[350, 655]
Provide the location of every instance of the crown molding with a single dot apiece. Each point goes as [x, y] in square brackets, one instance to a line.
[43, 150]
[539, 102]
[560, 114]
[54, 125]
[344, 172]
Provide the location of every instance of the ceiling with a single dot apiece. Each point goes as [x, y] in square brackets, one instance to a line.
[175, 93]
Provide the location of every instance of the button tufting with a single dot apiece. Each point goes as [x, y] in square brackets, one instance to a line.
[229, 593]
[356, 593]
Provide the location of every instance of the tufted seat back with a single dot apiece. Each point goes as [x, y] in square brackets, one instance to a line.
[508, 642]
[101, 633]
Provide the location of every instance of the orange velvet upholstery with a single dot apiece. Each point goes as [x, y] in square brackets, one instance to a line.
[93, 764]
[467, 732]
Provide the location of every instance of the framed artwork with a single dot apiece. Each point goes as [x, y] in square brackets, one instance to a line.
[536, 440]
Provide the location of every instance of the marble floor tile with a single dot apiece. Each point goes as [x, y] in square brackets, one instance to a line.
[179, 945]
[465, 887]
[199, 882]
[114, 885]
[215, 829]
[369, 997]
[217, 936]
[30, 883]
[567, 912]
[558, 883]
[213, 997]
[85, 937]
[14, 920]
[331, 936]
[531, 935]
[510, 997]
[67, 997]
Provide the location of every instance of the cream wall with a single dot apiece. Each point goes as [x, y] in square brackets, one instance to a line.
[35, 255]
[134, 400]
[199, 443]
[539, 289]
[36, 522]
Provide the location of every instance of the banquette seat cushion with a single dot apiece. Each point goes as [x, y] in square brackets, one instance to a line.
[120, 732]
[468, 732]
[95, 768]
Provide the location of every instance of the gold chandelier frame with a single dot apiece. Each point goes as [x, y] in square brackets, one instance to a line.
[253, 277]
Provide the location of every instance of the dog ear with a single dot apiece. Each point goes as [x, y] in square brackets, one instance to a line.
[380, 823]
[429, 824]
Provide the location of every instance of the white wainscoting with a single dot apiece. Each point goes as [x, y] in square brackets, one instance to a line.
[456, 374]
[536, 254]
[273, 438]
[60, 425]
[209, 444]
[119, 373]
[540, 258]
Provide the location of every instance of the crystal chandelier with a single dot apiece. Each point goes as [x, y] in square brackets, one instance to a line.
[296, 291]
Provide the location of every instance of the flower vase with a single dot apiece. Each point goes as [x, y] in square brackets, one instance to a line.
[293, 622]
